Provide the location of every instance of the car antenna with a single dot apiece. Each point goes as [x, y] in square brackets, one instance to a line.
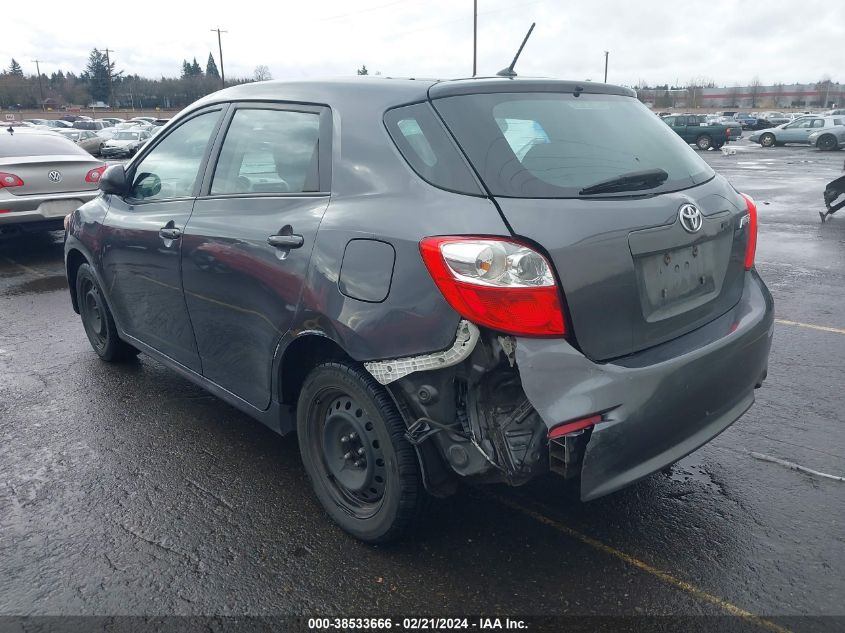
[508, 72]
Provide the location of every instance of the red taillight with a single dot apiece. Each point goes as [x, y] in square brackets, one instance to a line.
[95, 174]
[751, 245]
[9, 180]
[571, 427]
[497, 283]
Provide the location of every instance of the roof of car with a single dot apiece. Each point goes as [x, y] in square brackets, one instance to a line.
[398, 90]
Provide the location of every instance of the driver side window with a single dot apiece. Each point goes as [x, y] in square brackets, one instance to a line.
[171, 169]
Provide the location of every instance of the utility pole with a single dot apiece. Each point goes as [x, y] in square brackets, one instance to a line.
[606, 55]
[40, 87]
[220, 48]
[108, 67]
[474, 37]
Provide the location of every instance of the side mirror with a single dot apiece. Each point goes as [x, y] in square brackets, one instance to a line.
[114, 180]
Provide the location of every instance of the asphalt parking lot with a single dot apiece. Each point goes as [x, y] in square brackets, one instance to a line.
[127, 490]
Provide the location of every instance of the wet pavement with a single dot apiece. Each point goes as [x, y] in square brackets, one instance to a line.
[124, 489]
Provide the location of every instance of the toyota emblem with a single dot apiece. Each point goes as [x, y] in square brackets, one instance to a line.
[55, 176]
[691, 218]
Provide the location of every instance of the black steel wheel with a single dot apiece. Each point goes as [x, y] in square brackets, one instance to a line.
[97, 318]
[352, 440]
[703, 142]
[827, 143]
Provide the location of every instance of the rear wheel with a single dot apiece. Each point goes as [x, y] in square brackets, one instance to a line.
[97, 319]
[827, 143]
[767, 140]
[704, 142]
[352, 440]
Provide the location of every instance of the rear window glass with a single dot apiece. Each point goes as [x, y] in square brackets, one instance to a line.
[550, 145]
[427, 148]
[26, 144]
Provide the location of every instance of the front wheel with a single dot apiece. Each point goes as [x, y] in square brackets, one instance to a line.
[97, 319]
[703, 142]
[827, 143]
[767, 140]
[353, 446]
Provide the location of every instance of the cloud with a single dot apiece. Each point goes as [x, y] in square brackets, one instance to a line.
[648, 40]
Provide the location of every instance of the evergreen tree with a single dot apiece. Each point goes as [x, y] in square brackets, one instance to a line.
[186, 69]
[196, 71]
[15, 69]
[363, 70]
[211, 68]
[98, 74]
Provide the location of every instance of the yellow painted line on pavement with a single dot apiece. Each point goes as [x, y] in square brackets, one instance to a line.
[820, 328]
[665, 576]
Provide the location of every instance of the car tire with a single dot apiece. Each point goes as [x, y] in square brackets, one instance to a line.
[827, 143]
[352, 441]
[767, 140]
[704, 142]
[97, 319]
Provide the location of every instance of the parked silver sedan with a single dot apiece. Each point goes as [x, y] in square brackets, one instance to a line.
[91, 142]
[828, 139]
[43, 177]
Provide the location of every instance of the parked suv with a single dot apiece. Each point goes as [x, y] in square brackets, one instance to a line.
[480, 279]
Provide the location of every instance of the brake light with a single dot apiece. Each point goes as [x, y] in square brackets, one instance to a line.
[751, 245]
[498, 283]
[95, 174]
[9, 180]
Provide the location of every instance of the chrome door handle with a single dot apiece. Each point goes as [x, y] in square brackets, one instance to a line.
[169, 233]
[286, 241]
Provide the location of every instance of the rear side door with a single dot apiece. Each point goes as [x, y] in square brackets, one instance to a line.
[247, 246]
[142, 238]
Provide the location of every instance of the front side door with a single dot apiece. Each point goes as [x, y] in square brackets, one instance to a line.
[247, 246]
[142, 238]
[796, 132]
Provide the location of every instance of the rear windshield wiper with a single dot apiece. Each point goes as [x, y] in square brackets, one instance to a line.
[632, 181]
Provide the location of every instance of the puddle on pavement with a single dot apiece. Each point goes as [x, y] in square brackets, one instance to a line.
[37, 286]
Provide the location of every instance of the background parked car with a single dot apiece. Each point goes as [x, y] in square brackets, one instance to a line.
[89, 125]
[45, 177]
[828, 139]
[796, 132]
[695, 129]
[113, 120]
[745, 120]
[775, 118]
[125, 143]
[86, 139]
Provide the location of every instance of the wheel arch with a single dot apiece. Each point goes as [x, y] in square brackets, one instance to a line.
[73, 260]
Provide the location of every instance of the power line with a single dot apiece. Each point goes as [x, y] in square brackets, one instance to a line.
[220, 48]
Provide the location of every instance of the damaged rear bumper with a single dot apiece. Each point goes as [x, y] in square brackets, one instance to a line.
[656, 406]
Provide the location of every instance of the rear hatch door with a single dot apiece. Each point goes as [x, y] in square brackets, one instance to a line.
[632, 275]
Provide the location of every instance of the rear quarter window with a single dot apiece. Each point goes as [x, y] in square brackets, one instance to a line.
[426, 146]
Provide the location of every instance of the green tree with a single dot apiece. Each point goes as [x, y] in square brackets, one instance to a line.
[211, 68]
[363, 70]
[186, 69]
[196, 71]
[15, 69]
[98, 73]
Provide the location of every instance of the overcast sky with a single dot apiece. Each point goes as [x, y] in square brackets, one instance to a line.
[649, 41]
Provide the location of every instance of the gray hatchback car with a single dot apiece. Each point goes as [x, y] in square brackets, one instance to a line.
[434, 281]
